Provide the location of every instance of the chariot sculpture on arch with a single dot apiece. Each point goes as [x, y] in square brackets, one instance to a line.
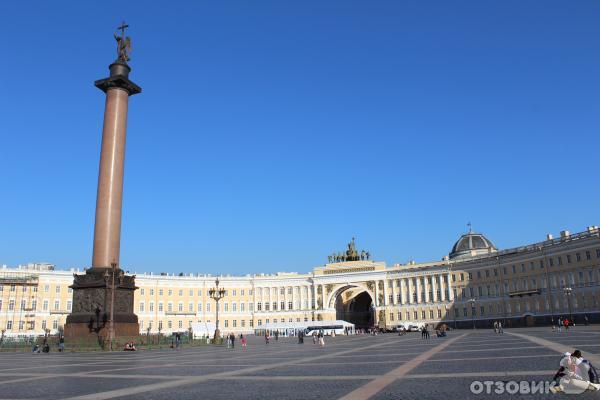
[351, 254]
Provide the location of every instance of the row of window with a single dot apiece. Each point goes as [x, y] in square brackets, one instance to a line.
[421, 296]
[180, 307]
[496, 309]
[34, 289]
[30, 325]
[430, 280]
[191, 292]
[557, 280]
[33, 305]
[273, 306]
[234, 292]
[532, 265]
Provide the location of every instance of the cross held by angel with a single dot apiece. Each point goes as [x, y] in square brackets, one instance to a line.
[123, 44]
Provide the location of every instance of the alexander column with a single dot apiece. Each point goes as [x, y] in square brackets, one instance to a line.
[103, 296]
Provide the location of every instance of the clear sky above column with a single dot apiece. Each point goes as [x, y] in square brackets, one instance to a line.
[269, 133]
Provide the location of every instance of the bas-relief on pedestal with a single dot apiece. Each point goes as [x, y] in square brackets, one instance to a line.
[91, 304]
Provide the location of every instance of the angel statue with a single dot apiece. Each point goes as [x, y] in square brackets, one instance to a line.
[123, 44]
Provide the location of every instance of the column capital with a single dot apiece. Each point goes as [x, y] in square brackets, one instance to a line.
[118, 79]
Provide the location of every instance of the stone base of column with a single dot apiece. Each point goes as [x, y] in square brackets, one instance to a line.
[81, 331]
[92, 294]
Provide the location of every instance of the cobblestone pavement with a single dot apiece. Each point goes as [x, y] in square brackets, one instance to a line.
[349, 368]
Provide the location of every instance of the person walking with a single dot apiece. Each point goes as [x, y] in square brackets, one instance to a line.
[559, 326]
[321, 339]
[277, 335]
[500, 328]
[566, 324]
[314, 335]
[300, 337]
[61, 344]
[267, 337]
[243, 341]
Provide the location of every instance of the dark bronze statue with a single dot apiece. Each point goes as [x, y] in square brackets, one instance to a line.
[351, 254]
[123, 44]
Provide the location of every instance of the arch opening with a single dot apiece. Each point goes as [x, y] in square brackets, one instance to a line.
[355, 306]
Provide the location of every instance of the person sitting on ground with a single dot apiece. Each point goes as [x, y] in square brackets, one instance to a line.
[129, 346]
[36, 348]
[575, 375]
[586, 369]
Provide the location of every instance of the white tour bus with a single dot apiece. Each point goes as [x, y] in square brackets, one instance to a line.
[410, 326]
[327, 330]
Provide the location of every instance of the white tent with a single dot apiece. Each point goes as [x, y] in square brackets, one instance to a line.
[203, 329]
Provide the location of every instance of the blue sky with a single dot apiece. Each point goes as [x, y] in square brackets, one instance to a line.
[269, 132]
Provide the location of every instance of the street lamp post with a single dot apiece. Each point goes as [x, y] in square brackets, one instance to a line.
[568, 292]
[217, 294]
[111, 317]
[548, 286]
[472, 301]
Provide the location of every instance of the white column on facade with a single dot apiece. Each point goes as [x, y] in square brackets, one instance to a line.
[402, 290]
[394, 282]
[416, 286]
[385, 292]
[376, 293]
[434, 289]
[443, 287]
[450, 291]
[409, 285]
[323, 305]
[426, 287]
[296, 297]
[314, 297]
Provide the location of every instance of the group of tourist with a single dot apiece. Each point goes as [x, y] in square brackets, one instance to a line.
[45, 347]
[129, 346]
[319, 338]
[425, 331]
[441, 330]
[560, 323]
[231, 341]
[575, 375]
[498, 328]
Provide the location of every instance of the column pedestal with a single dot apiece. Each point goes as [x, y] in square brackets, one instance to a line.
[91, 305]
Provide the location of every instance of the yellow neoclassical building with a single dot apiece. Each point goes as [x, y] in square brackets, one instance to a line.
[475, 284]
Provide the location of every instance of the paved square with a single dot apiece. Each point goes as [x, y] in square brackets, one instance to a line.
[350, 368]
